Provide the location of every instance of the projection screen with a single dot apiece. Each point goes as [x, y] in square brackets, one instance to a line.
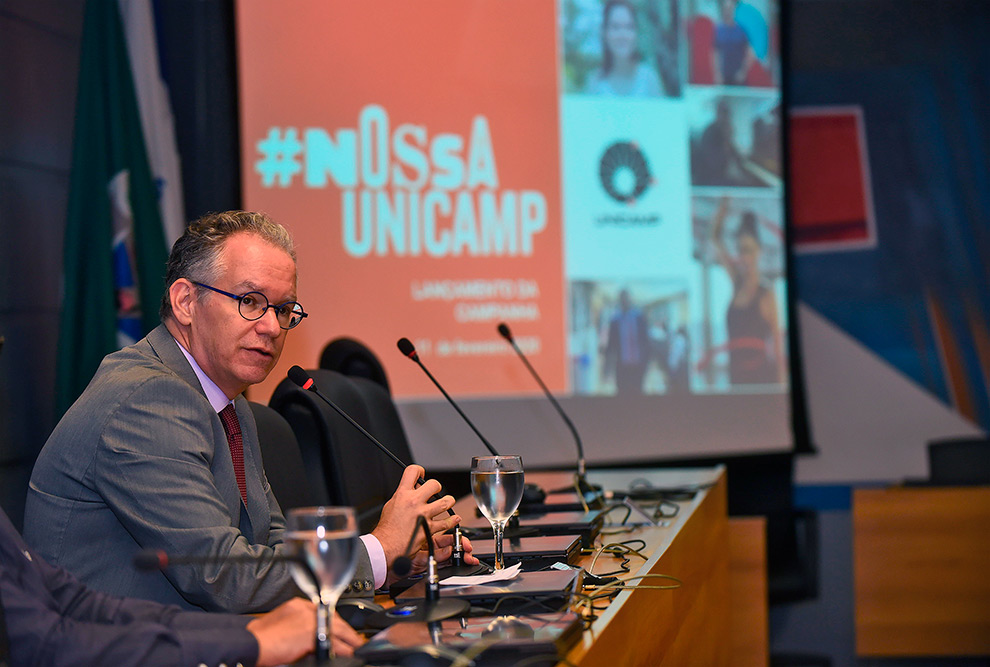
[604, 178]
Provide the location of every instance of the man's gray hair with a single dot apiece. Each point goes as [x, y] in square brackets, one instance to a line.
[196, 255]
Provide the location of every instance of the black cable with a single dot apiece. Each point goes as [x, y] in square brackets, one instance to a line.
[660, 514]
[624, 584]
[622, 507]
[620, 550]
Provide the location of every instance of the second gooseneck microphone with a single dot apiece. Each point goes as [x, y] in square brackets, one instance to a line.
[503, 330]
[406, 347]
[531, 493]
[581, 478]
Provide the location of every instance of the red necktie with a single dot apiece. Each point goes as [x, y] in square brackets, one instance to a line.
[228, 416]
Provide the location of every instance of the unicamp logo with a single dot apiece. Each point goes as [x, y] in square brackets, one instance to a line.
[624, 172]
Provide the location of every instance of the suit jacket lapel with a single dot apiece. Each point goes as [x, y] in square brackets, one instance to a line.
[168, 351]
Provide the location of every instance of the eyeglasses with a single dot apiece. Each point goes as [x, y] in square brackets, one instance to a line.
[253, 306]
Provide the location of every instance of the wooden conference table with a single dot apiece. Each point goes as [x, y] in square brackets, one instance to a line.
[685, 626]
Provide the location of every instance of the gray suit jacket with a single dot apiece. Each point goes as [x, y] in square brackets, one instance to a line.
[141, 461]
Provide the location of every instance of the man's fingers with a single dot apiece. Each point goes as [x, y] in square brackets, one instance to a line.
[444, 553]
[410, 476]
[442, 525]
[443, 546]
[429, 489]
[443, 540]
[439, 507]
[345, 638]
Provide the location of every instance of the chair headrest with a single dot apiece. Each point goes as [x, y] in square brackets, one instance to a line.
[353, 358]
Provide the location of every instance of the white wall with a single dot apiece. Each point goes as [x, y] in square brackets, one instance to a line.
[869, 421]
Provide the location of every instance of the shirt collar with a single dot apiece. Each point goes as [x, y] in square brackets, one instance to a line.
[214, 394]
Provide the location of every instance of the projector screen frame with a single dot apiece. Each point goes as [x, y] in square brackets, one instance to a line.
[425, 420]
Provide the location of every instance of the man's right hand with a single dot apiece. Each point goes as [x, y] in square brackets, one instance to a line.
[398, 520]
[288, 632]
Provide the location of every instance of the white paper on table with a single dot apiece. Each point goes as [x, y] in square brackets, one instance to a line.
[481, 579]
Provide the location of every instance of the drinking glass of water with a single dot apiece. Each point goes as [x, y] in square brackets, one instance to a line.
[326, 541]
[497, 485]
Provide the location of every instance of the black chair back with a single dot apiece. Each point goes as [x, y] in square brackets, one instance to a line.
[385, 424]
[353, 471]
[354, 359]
[283, 460]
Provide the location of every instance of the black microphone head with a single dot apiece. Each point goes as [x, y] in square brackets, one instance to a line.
[402, 566]
[301, 378]
[150, 560]
[503, 330]
[407, 348]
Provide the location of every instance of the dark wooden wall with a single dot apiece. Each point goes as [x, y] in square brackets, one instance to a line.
[39, 63]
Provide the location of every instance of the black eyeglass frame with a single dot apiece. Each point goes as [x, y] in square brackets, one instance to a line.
[279, 308]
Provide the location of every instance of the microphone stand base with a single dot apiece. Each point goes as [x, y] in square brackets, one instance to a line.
[422, 612]
[592, 494]
[463, 570]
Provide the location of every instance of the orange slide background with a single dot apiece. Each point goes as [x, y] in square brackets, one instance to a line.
[438, 65]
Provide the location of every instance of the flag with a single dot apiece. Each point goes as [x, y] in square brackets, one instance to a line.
[157, 121]
[114, 252]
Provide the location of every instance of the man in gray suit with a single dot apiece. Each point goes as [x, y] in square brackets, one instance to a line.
[161, 450]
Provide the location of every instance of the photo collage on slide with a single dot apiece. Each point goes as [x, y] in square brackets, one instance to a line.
[673, 197]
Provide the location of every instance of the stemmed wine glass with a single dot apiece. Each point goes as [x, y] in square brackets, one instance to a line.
[325, 539]
[497, 485]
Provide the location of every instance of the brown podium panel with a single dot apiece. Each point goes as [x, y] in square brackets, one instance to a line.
[921, 567]
[685, 626]
[749, 615]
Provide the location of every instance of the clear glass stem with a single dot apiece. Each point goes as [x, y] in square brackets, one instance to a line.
[324, 634]
[498, 527]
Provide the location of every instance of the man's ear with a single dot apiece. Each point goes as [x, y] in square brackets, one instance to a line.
[182, 295]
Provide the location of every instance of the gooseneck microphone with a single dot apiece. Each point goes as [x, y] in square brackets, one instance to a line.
[406, 347]
[531, 492]
[582, 481]
[303, 379]
[503, 330]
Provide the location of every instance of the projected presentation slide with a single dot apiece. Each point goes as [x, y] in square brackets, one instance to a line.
[603, 177]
